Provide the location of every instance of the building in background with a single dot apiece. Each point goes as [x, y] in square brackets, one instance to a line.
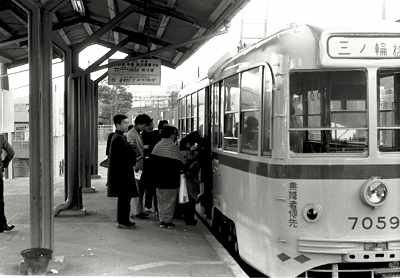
[20, 129]
[161, 107]
[6, 112]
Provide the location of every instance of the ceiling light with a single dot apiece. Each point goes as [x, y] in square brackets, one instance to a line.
[78, 6]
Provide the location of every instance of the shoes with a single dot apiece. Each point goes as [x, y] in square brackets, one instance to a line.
[167, 225]
[7, 228]
[129, 226]
[142, 215]
[148, 210]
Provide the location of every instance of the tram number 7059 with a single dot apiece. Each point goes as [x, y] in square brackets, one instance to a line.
[380, 222]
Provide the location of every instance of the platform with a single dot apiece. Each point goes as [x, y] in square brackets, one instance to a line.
[92, 245]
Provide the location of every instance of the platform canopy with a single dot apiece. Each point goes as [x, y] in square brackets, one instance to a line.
[169, 30]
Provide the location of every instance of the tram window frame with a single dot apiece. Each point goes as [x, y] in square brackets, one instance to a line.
[233, 115]
[391, 129]
[201, 121]
[328, 85]
[253, 109]
[267, 110]
[188, 114]
[195, 111]
[221, 114]
[182, 116]
[215, 106]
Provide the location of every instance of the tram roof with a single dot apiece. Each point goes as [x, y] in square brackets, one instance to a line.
[297, 40]
[150, 25]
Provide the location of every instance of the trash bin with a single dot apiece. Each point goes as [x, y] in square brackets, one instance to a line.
[36, 261]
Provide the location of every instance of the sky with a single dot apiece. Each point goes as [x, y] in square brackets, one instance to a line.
[275, 14]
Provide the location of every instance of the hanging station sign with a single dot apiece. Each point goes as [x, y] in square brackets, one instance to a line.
[364, 47]
[138, 72]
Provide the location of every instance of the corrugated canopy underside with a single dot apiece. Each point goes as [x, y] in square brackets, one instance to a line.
[160, 27]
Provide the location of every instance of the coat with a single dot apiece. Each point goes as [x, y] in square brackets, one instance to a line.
[4, 145]
[120, 171]
[192, 170]
[165, 172]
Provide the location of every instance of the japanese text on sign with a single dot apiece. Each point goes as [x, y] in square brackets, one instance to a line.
[293, 205]
[138, 72]
[364, 47]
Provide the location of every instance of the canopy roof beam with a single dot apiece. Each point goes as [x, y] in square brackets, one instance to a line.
[18, 14]
[112, 11]
[4, 59]
[111, 52]
[61, 31]
[148, 7]
[159, 50]
[107, 27]
[5, 29]
[52, 5]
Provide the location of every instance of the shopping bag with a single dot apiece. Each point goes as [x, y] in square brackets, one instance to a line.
[105, 163]
[183, 193]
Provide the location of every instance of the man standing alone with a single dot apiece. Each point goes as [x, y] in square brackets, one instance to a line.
[122, 161]
[4, 145]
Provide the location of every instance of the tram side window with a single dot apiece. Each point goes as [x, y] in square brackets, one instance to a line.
[231, 113]
[182, 115]
[188, 114]
[215, 114]
[267, 111]
[389, 110]
[250, 102]
[194, 117]
[201, 106]
[328, 112]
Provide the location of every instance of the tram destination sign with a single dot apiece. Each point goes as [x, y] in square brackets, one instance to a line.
[138, 72]
[367, 47]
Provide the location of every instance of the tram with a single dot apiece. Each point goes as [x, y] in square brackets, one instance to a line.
[304, 136]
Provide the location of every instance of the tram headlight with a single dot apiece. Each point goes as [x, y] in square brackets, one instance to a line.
[374, 192]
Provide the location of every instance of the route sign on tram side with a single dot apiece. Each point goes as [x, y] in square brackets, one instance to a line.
[138, 72]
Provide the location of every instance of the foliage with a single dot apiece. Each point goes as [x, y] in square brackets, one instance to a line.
[113, 100]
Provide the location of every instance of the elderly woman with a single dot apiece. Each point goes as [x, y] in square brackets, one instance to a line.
[166, 162]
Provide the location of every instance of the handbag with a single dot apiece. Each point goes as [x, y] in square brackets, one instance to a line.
[183, 193]
[105, 163]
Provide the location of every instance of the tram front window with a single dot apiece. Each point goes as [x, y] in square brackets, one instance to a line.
[389, 110]
[328, 112]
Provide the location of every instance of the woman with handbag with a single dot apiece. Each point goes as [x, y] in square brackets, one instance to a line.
[165, 165]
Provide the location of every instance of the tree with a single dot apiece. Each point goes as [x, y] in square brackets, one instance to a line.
[113, 100]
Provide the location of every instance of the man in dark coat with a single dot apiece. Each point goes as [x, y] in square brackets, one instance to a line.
[109, 192]
[4, 145]
[121, 178]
